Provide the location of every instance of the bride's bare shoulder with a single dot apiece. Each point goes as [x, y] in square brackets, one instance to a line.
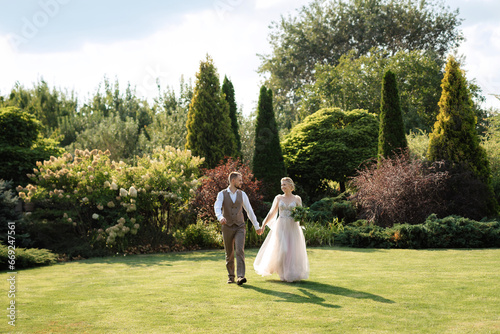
[298, 199]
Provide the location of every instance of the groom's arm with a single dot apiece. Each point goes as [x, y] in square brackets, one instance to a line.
[218, 206]
[249, 210]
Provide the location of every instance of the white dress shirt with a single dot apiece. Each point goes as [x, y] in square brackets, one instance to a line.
[246, 206]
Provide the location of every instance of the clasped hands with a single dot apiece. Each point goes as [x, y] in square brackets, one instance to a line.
[260, 231]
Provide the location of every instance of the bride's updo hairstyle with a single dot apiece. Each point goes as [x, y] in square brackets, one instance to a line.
[289, 181]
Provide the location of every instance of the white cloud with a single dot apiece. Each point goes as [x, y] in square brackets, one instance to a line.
[167, 54]
[232, 35]
[482, 49]
[265, 4]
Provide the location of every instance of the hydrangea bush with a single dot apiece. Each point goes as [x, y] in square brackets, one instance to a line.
[109, 203]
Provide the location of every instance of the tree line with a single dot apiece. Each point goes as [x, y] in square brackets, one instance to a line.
[331, 54]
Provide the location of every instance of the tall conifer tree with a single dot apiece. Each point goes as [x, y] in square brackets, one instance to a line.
[268, 163]
[391, 138]
[454, 138]
[228, 90]
[209, 131]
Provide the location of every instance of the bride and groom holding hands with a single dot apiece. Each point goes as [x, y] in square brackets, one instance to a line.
[284, 249]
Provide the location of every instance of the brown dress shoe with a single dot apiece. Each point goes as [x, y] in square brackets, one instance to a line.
[241, 280]
[230, 280]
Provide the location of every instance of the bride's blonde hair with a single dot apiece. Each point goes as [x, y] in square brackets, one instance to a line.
[288, 181]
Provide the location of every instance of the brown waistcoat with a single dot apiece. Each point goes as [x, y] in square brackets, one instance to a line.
[233, 212]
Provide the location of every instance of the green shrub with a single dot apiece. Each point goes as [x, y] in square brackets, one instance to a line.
[317, 234]
[448, 232]
[418, 142]
[22, 144]
[47, 231]
[8, 201]
[111, 205]
[26, 258]
[365, 236]
[252, 239]
[455, 232]
[328, 208]
[200, 235]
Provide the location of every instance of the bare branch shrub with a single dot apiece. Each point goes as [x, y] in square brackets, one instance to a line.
[401, 189]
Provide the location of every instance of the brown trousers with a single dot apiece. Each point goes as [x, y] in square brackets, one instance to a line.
[234, 241]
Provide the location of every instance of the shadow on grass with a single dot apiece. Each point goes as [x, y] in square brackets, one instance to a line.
[292, 297]
[304, 286]
[337, 290]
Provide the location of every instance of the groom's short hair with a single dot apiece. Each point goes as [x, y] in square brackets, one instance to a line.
[232, 176]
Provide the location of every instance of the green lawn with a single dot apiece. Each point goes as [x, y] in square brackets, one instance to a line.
[349, 291]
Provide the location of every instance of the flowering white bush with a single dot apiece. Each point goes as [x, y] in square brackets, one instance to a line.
[91, 191]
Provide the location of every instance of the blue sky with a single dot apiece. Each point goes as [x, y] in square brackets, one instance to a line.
[73, 44]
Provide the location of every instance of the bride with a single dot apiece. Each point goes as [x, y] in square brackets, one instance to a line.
[284, 250]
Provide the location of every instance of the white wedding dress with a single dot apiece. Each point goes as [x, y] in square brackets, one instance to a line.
[284, 250]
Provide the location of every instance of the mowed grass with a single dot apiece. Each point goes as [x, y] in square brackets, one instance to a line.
[349, 291]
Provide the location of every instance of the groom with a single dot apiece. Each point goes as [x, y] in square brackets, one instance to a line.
[228, 209]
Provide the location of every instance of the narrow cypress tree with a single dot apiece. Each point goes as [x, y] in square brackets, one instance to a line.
[454, 138]
[391, 137]
[228, 90]
[209, 132]
[268, 163]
